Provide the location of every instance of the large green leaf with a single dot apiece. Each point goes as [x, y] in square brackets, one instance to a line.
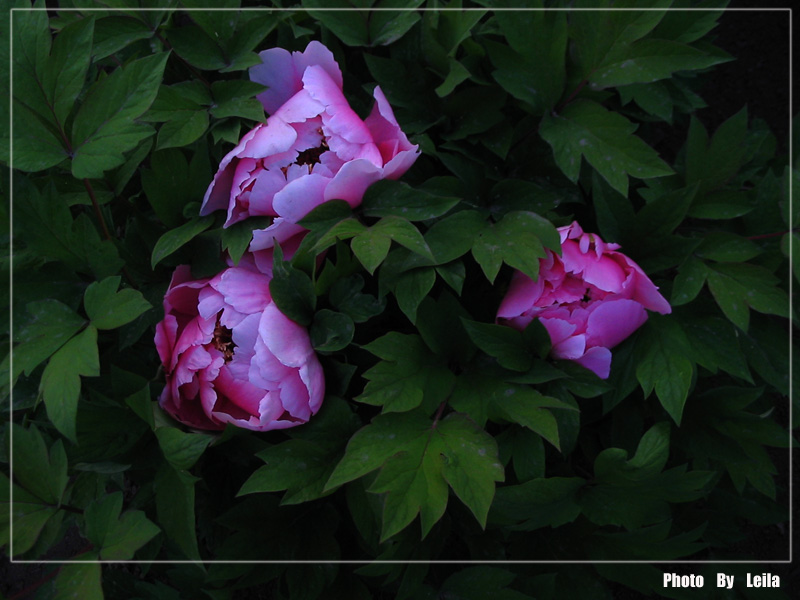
[175, 507]
[407, 375]
[61, 379]
[586, 129]
[105, 127]
[649, 60]
[51, 324]
[115, 536]
[108, 308]
[419, 459]
[663, 364]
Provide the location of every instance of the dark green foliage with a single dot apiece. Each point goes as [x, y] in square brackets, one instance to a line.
[444, 436]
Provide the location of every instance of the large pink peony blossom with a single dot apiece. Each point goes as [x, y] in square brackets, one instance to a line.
[313, 147]
[230, 356]
[589, 299]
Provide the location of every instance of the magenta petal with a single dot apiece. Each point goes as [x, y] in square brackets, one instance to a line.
[247, 292]
[300, 197]
[571, 348]
[558, 329]
[282, 72]
[647, 293]
[287, 340]
[280, 231]
[352, 180]
[521, 297]
[604, 273]
[166, 334]
[242, 393]
[613, 321]
[598, 360]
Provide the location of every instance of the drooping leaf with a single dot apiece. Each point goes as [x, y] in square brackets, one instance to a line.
[61, 379]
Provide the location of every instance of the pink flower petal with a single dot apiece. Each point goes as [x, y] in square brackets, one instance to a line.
[598, 360]
[612, 321]
[282, 72]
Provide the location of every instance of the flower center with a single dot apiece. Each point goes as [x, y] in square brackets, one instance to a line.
[223, 340]
[311, 156]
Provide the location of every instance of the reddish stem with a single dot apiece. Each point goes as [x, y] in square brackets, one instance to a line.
[768, 235]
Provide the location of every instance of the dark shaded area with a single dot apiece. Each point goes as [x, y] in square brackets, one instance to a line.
[759, 75]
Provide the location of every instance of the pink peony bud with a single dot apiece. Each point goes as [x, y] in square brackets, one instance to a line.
[313, 147]
[589, 299]
[230, 356]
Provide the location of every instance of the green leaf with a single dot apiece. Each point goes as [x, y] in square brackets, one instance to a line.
[635, 492]
[371, 248]
[649, 60]
[236, 238]
[292, 290]
[345, 295]
[417, 461]
[331, 331]
[197, 48]
[182, 129]
[29, 514]
[64, 72]
[533, 70]
[689, 281]
[713, 164]
[727, 247]
[182, 449]
[79, 580]
[525, 406]
[518, 240]
[178, 237]
[736, 286]
[61, 382]
[407, 375]
[108, 309]
[36, 147]
[538, 503]
[412, 288]
[662, 347]
[43, 474]
[504, 343]
[175, 507]
[50, 325]
[104, 127]
[598, 34]
[300, 467]
[715, 344]
[117, 538]
[113, 33]
[605, 139]
[394, 198]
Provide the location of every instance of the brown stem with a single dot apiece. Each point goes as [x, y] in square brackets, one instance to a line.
[439, 412]
[90, 190]
[571, 97]
[768, 235]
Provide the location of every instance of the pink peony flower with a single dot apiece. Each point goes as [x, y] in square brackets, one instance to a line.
[230, 356]
[313, 147]
[589, 299]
